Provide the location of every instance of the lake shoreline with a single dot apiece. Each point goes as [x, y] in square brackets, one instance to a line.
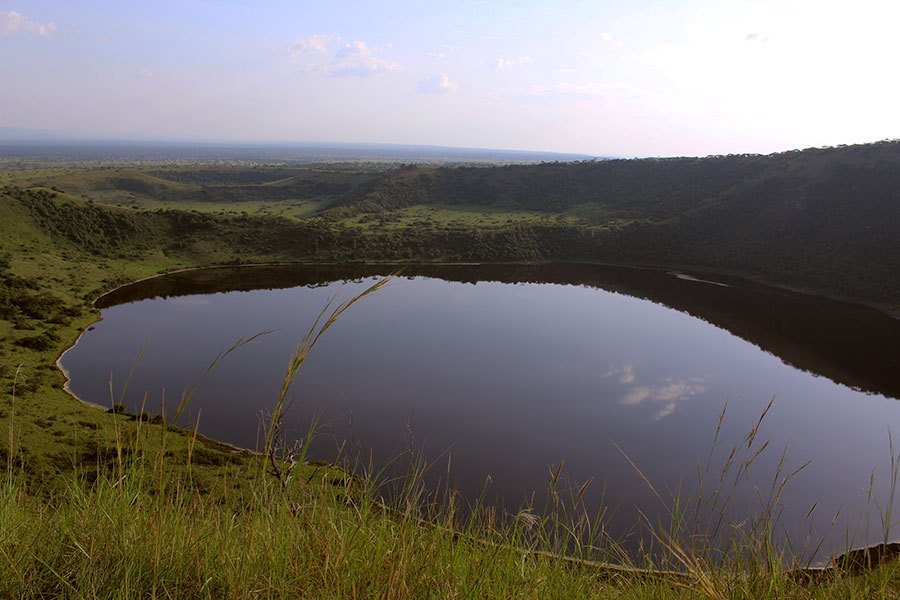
[700, 277]
[887, 309]
[810, 571]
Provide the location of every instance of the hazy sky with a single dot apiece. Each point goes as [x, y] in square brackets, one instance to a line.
[607, 78]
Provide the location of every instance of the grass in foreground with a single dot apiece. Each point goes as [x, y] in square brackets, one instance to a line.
[141, 530]
[147, 523]
[99, 505]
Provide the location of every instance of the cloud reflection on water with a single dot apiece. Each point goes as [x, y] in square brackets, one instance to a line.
[669, 393]
[623, 374]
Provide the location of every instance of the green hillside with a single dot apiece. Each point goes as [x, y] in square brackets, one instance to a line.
[107, 504]
[820, 220]
[826, 221]
[823, 219]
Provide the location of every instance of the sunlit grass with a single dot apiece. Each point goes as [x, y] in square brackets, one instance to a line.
[98, 505]
[145, 523]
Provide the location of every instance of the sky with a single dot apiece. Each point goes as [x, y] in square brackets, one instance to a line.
[618, 78]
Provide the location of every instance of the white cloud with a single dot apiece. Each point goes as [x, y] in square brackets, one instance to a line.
[436, 55]
[437, 84]
[670, 393]
[145, 73]
[756, 37]
[350, 59]
[12, 23]
[314, 44]
[501, 64]
[605, 36]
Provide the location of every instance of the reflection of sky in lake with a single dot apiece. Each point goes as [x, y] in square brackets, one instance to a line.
[511, 378]
[669, 393]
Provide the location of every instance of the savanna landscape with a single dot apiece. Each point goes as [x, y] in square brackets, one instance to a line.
[72, 233]
[649, 352]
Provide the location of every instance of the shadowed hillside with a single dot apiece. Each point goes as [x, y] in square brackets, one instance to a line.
[819, 220]
[827, 219]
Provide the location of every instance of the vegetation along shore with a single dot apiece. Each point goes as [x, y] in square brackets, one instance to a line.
[107, 503]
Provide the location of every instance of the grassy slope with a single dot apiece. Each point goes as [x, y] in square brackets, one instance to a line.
[204, 528]
[194, 188]
[252, 538]
[122, 538]
[395, 215]
[825, 221]
[53, 433]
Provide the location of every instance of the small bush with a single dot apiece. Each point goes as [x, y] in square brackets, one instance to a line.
[42, 342]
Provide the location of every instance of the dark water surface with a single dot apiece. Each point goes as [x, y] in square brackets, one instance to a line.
[515, 368]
